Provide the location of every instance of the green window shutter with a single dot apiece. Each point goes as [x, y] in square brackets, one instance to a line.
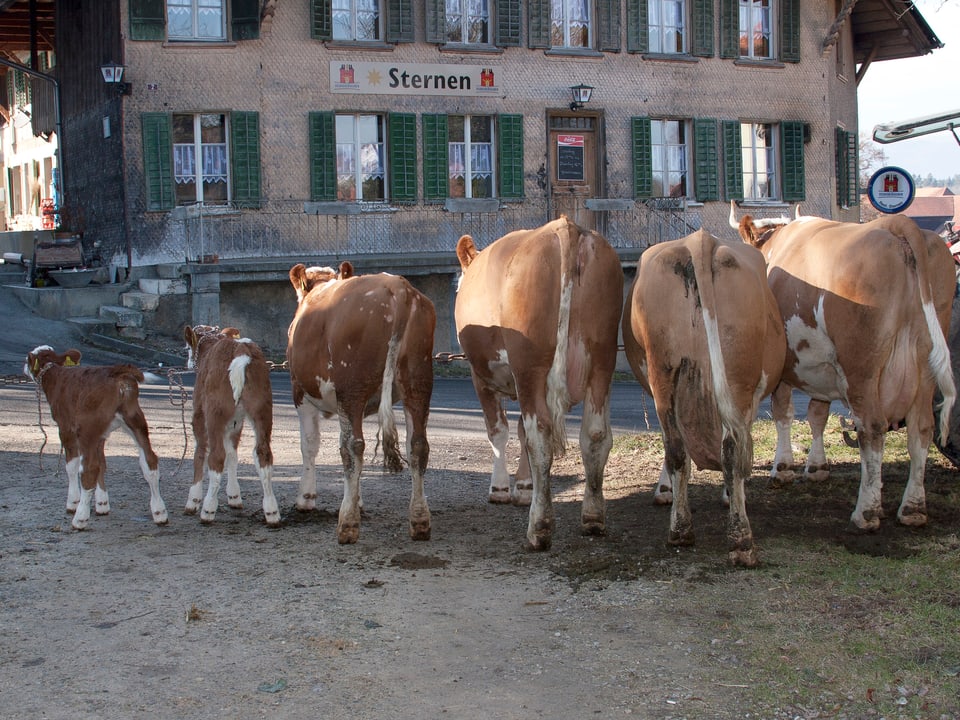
[400, 21]
[702, 29]
[640, 139]
[508, 23]
[790, 31]
[245, 158]
[732, 160]
[848, 182]
[321, 20]
[706, 157]
[245, 19]
[402, 154]
[148, 19]
[538, 23]
[791, 146]
[436, 175]
[323, 156]
[608, 25]
[157, 131]
[638, 35]
[729, 28]
[436, 21]
[510, 156]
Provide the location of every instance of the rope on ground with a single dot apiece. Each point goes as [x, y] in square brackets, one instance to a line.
[177, 393]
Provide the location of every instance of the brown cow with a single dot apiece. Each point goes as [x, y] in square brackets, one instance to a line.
[89, 403]
[357, 344]
[702, 333]
[537, 315]
[232, 384]
[866, 310]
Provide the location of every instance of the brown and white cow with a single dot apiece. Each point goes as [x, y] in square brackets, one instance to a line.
[866, 309]
[89, 403]
[357, 345]
[702, 333]
[537, 315]
[232, 385]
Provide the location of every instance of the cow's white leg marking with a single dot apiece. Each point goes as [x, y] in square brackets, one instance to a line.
[195, 495]
[596, 439]
[869, 509]
[101, 501]
[309, 446]
[538, 448]
[158, 508]
[663, 495]
[82, 514]
[782, 408]
[210, 501]
[417, 452]
[73, 484]
[271, 510]
[230, 463]
[500, 482]
[351, 453]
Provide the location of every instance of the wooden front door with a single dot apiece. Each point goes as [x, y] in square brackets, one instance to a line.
[574, 174]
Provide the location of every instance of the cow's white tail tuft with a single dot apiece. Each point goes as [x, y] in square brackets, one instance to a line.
[941, 368]
[558, 394]
[238, 375]
[388, 424]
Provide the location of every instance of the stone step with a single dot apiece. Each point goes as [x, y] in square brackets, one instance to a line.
[142, 301]
[121, 316]
[162, 286]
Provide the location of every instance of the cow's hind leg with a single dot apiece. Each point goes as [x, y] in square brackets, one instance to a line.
[737, 462]
[418, 451]
[869, 510]
[352, 447]
[596, 440]
[262, 419]
[217, 459]
[73, 481]
[817, 467]
[913, 506]
[309, 447]
[136, 425]
[231, 461]
[498, 434]
[677, 466]
[782, 407]
[195, 494]
[101, 498]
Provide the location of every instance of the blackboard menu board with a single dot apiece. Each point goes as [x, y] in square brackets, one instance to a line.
[570, 157]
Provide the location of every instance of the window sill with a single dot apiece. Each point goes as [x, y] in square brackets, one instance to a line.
[463, 49]
[766, 64]
[199, 44]
[343, 207]
[374, 45]
[573, 52]
[472, 205]
[670, 57]
[189, 212]
[769, 204]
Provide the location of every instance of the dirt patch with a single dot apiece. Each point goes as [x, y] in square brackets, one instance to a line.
[129, 620]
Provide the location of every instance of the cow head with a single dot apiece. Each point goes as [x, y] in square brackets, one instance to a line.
[304, 279]
[756, 232]
[199, 335]
[43, 356]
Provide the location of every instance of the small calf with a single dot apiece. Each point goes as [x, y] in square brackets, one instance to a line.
[89, 403]
[233, 383]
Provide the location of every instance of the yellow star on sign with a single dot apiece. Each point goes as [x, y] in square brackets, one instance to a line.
[373, 77]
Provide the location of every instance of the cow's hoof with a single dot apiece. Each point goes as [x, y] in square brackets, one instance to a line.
[593, 525]
[272, 520]
[681, 538]
[782, 475]
[912, 517]
[663, 496]
[868, 522]
[744, 557]
[79, 525]
[420, 531]
[499, 496]
[235, 502]
[306, 503]
[71, 509]
[819, 473]
[190, 510]
[102, 510]
[539, 543]
[522, 495]
[348, 533]
[160, 518]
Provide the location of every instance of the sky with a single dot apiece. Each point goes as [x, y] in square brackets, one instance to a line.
[898, 90]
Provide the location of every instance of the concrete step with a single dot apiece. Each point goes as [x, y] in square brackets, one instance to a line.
[144, 302]
[162, 286]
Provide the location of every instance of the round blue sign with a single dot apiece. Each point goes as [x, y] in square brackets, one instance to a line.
[891, 189]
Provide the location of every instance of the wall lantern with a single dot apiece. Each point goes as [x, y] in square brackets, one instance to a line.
[113, 75]
[581, 95]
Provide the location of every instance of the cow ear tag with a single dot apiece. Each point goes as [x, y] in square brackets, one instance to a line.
[36, 366]
[69, 362]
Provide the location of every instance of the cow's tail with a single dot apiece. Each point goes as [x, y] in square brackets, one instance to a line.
[238, 375]
[939, 358]
[735, 427]
[558, 394]
[392, 460]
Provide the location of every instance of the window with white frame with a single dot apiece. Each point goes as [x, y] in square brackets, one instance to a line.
[666, 26]
[196, 20]
[669, 158]
[570, 25]
[468, 21]
[357, 20]
[758, 147]
[471, 155]
[361, 164]
[756, 29]
[200, 161]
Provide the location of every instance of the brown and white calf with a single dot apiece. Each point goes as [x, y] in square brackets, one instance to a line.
[89, 403]
[357, 344]
[232, 384]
